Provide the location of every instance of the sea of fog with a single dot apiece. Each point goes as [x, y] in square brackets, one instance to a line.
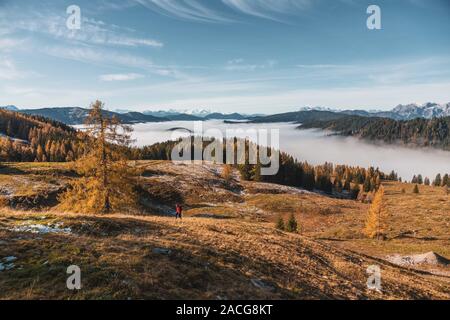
[315, 146]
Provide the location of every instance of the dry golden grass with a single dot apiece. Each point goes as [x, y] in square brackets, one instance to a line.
[424, 215]
[209, 259]
[227, 238]
[415, 224]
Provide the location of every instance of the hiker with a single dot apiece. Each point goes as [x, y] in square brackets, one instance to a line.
[179, 211]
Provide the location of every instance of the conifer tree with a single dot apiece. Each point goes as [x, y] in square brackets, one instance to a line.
[438, 180]
[355, 191]
[338, 185]
[107, 182]
[419, 179]
[375, 226]
[256, 172]
[367, 185]
[347, 185]
[280, 223]
[416, 189]
[446, 180]
[292, 224]
[427, 181]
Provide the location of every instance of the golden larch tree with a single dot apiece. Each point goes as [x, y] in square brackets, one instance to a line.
[107, 182]
[375, 223]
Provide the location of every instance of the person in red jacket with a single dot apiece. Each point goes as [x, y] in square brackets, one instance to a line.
[179, 211]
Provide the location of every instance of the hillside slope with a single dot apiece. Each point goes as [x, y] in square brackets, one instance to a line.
[159, 258]
[226, 247]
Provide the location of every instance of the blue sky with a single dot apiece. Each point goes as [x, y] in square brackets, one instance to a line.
[250, 56]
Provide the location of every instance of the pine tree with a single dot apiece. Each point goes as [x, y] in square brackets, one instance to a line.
[446, 180]
[374, 227]
[280, 223]
[427, 181]
[347, 185]
[367, 185]
[256, 172]
[416, 189]
[437, 182]
[107, 182]
[419, 179]
[245, 171]
[338, 185]
[355, 191]
[292, 224]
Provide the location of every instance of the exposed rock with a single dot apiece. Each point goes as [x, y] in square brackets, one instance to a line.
[430, 258]
[42, 229]
[261, 284]
[164, 251]
[9, 259]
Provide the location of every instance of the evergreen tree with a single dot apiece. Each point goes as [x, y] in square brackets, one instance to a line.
[107, 181]
[446, 180]
[245, 171]
[338, 185]
[347, 185]
[416, 189]
[355, 191]
[280, 223]
[419, 179]
[291, 224]
[438, 181]
[427, 181]
[256, 172]
[367, 187]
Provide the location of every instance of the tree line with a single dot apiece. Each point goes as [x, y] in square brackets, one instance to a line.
[34, 138]
[439, 180]
[420, 132]
[25, 138]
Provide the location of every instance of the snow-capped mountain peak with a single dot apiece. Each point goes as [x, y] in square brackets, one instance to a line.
[427, 110]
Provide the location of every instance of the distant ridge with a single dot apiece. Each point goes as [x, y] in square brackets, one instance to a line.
[10, 108]
[76, 115]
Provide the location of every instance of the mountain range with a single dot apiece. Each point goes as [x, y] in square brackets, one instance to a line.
[76, 115]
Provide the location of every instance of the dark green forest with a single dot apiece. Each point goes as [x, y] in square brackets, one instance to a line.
[417, 132]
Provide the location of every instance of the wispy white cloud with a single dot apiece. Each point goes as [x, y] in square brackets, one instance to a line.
[8, 70]
[92, 31]
[240, 65]
[203, 11]
[8, 44]
[382, 72]
[268, 9]
[120, 77]
[192, 10]
[112, 59]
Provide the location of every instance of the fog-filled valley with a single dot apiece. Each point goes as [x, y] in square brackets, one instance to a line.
[314, 146]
